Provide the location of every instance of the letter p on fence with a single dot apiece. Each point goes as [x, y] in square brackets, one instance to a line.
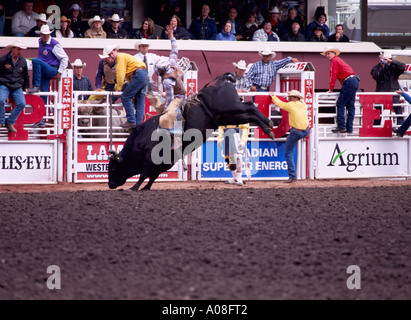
[39, 110]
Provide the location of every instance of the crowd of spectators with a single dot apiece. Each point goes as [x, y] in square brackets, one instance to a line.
[246, 23]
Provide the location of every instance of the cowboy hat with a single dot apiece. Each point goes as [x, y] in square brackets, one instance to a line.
[116, 18]
[96, 18]
[44, 30]
[328, 49]
[143, 41]
[16, 44]
[240, 65]
[75, 7]
[78, 63]
[295, 93]
[64, 18]
[385, 55]
[274, 10]
[42, 17]
[267, 51]
[107, 50]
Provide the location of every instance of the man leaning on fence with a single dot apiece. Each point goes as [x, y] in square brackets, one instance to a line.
[14, 78]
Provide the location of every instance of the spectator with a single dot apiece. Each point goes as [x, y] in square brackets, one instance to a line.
[250, 26]
[262, 73]
[236, 26]
[77, 25]
[14, 79]
[386, 74]
[150, 59]
[276, 25]
[295, 34]
[265, 33]
[41, 20]
[179, 32]
[320, 20]
[406, 124]
[293, 16]
[80, 81]
[65, 31]
[226, 34]
[96, 30]
[2, 16]
[23, 20]
[203, 27]
[168, 8]
[146, 31]
[298, 119]
[318, 35]
[340, 70]
[339, 35]
[135, 73]
[114, 31]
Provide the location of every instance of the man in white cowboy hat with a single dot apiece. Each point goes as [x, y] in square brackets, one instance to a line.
[235, 136]
[51, 62]
[262, 73]
[340, 70]
[150, 59]
[80, 81]
[276, 25]
[114, 31]
[96, 29]
[134, 72]
[298, 119]
[14, 78]
[41, 20]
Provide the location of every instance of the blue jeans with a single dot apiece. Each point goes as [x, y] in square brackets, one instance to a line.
[19, 99]
[136, 89]
[42, 74]
[347, 99]
[405, 125]
[292, 140]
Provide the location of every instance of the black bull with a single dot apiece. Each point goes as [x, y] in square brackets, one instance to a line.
[216, 105]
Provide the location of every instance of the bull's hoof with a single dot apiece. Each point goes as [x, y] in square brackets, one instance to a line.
[271, 124]
[272, 135]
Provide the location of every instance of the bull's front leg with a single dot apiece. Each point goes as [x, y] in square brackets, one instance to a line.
[139, 182]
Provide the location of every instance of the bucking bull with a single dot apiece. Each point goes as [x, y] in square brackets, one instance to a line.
[214, 105]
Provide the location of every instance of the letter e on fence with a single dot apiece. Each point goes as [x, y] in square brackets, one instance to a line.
[354, 280]
[370, 114]
[54, 281]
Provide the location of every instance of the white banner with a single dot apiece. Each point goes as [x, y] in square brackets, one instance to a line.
[28, 163]
[362, 158]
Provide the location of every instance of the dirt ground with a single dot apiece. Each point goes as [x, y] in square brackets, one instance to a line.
[207, 241]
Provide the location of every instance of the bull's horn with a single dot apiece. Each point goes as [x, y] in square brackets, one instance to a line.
[114, 155]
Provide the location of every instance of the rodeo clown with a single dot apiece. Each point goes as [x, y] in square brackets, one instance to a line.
[234, 146]
[175, 92]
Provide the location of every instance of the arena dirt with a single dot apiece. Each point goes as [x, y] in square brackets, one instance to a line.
[207, 240]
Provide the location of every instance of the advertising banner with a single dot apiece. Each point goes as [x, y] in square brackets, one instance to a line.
[266, 160]
[22, 162]
[362, 158]
[93, 159]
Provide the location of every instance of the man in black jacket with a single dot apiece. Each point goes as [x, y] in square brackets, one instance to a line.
[14, 78]
[386, 74]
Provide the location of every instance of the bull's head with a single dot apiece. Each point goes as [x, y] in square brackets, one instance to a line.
[117, 170]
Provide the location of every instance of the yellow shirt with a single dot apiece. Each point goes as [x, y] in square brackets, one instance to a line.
[126, 66]
[297, 112]
[245, 129]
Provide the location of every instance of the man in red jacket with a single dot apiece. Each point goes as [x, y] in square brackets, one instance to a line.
[340, 70]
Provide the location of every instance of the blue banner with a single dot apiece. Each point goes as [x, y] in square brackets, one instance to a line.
[266, 160]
